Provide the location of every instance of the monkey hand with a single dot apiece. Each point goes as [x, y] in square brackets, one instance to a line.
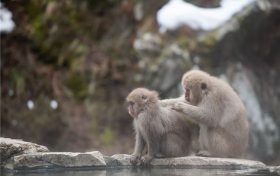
[134, 159]
[164, 103]
[146, 160]
[179, 106]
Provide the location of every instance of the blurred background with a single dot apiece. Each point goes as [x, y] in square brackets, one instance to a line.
[67, 66]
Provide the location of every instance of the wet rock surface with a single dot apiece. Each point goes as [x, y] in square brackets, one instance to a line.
[56, 160]
[39, 159]
[33, 156]
[194, 162]
[11, 147]
[51, 160]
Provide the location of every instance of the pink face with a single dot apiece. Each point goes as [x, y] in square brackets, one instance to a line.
[195, 95]
[188, 94]
[131, 110]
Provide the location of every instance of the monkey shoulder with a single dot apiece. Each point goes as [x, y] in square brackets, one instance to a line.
[149, 120]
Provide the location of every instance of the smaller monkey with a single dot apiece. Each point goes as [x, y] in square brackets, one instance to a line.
[159, 129]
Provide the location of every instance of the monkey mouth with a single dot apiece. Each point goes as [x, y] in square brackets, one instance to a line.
[187, 98]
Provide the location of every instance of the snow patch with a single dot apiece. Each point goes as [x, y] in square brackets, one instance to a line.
[6, 22]
[53, 104]
[30, 104]
[177, 13]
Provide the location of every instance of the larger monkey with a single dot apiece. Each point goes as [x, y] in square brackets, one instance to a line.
[213, 104]
[159, 129]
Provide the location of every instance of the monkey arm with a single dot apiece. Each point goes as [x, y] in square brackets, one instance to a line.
[196, 113]
[171, 101]
[139, 145]
[153, 142]
[138, 149]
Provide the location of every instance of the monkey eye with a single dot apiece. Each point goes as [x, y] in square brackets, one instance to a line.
[130, 103]
[203, 86]
[144, 97]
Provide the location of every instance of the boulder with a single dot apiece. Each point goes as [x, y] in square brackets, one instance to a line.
[275, 169]
[92, 160]
[119, 160]
[247, 54]
[208, 162]
[56, 160]
[11, 147]
[278, 169]
[192, 162]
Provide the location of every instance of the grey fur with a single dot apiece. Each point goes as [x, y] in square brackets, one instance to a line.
[221, 115]
[160, 129]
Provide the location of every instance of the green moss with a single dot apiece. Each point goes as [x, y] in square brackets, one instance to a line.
[210, 40]
[18, 80]
[103, 5]
[93, 125]
[38, 28]
[107, 136]
[77, 84]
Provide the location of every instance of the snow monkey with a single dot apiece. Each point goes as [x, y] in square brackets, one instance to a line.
[213, 104]
[159, 130]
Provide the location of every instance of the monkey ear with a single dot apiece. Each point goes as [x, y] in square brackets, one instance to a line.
[183, 80]
[155, 93]
[203, 86]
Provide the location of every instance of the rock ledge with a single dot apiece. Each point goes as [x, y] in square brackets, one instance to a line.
[11, 147]
[39, 158]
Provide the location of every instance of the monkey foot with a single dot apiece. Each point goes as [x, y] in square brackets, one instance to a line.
[159, 155]
[203, 153]
[146, 160]
[134, 160]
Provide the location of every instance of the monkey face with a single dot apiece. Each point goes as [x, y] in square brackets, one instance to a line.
[194, 93]
[195, 88]
[139, 99]
[191, 95]
[188, 94]
[136, 106]
[132, 109]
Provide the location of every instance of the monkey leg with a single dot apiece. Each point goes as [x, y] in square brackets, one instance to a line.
[203, 147]
[219, 144]
[145, 151]
[139, 148]
[174, 146]
[153, 144]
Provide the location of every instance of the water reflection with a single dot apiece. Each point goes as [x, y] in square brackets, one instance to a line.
[148, 172]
